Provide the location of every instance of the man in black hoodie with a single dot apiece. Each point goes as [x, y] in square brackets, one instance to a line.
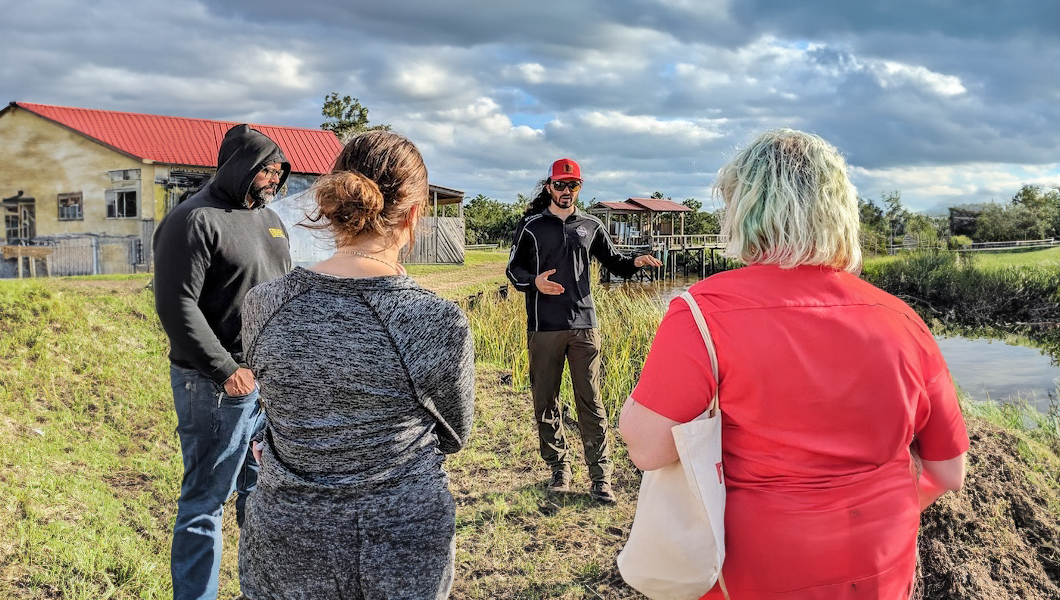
[209, 251]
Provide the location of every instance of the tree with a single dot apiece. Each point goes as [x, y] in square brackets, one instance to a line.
[1005, 223]
[700, 222]
[923, 227]
[1045, 205]
[871, 217]
[489, 221]
[897, 216]
[875, 230]
[345, 117]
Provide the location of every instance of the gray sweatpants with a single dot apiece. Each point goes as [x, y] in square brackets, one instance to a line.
[397, 544]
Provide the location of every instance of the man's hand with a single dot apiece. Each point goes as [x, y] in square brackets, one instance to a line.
[240, 383]
[646, 259]
[547, 287]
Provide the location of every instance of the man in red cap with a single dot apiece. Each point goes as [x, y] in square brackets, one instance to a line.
[554, 242]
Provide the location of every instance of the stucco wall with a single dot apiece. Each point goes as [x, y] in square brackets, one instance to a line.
[44, 159]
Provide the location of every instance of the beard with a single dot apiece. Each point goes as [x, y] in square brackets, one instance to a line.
[263, 194]
[563, 202]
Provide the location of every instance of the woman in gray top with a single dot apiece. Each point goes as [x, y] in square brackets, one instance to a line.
[367, 380]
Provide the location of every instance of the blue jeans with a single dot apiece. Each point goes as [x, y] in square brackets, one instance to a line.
[215, 431]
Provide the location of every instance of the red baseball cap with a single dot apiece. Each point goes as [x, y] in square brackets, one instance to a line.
[565, 168]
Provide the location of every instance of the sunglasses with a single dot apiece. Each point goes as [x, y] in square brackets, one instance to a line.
[270, 172]
[568, 184]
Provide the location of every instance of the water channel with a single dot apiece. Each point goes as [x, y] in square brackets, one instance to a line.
[986, 369]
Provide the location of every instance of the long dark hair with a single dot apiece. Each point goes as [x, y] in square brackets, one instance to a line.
[542, 198]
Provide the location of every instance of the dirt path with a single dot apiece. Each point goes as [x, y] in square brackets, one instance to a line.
[452, 283]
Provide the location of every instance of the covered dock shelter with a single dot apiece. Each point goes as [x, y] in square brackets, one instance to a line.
[641, 221]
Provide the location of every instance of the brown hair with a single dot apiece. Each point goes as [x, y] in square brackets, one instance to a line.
[377, 179]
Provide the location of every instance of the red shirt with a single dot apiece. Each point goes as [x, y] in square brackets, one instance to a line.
[825, 381]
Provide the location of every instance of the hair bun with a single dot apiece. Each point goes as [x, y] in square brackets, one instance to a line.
[348, 198]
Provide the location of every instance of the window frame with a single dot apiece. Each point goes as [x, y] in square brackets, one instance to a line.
[112, 197]
[79, 205]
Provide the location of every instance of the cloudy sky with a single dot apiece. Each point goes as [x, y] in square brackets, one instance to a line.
[946, 101]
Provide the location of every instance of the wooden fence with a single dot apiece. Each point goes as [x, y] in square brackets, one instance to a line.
[978, 246]
[439, 240]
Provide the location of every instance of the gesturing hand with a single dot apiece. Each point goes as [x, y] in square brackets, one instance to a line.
[646, 259]
[547, 287]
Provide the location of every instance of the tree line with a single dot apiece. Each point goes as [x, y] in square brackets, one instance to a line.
[1033, 213]
[491, 221]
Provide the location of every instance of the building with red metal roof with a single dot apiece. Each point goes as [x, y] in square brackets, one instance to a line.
[107, 177]
[183, 141]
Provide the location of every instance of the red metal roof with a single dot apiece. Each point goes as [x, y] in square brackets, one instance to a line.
[619, 205]
[655, 205]
[184, 141]
[645, 204]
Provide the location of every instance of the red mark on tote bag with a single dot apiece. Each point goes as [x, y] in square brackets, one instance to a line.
[720, 480]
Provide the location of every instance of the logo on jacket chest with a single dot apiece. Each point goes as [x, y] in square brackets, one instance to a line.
[581, 231]
[277, 232]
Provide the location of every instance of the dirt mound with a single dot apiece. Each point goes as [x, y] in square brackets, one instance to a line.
[999, 537]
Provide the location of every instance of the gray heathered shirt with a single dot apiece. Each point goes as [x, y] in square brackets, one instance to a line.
[363, 382]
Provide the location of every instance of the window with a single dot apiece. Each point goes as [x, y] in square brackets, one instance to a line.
[124, 174]
[70, 207]
[121, 204]
[11, 229]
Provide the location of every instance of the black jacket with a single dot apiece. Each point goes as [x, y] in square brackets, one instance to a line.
[210, 250]
[543, 241]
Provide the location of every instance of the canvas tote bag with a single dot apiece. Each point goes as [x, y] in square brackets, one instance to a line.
[676, 545]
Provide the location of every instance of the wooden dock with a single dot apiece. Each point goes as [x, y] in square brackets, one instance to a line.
[681, 255]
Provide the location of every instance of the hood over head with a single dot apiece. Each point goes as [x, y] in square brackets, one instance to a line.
[244, 151]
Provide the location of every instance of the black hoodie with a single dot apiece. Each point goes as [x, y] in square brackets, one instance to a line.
[210, 250]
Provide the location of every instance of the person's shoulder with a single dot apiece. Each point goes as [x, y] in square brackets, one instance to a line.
[270, 213]
[734, 278]
[531, 218]
[419, 315]
[429, 300]
[877, 296]
[282, 287]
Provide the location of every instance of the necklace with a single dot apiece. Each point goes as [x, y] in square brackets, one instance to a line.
[397, 268]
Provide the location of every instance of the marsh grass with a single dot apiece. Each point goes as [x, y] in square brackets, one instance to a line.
[627, 326]
[955, 288]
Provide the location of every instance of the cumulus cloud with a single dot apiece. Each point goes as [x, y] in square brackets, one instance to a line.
[947, 101]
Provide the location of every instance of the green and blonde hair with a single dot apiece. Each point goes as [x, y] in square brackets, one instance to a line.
[788, 202]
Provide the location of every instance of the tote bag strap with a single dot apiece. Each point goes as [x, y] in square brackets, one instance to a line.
[712, 409]
[709, 341]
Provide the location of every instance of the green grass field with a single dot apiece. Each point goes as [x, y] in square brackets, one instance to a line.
[90, 464]
[1047, 257]
[483, 270]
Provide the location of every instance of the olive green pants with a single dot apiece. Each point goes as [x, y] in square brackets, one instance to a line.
[581, 349]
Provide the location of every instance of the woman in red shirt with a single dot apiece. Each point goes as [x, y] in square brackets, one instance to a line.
[829, 387]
